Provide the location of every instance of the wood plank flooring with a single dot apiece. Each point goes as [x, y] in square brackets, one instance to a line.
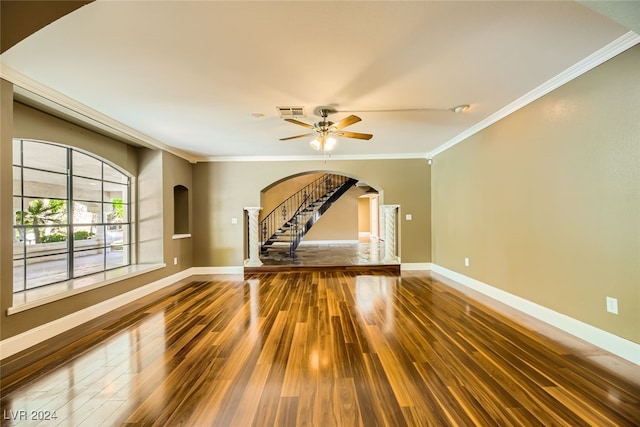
[343, 348]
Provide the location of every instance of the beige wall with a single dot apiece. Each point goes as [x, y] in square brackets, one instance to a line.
[222, 189]
[157, 173]
[6, 200]
[340, 221]
[32, 124]
[546, 202]
[176, 171]
[275, 194]
[364, 215]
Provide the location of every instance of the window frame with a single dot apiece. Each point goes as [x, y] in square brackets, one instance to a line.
[72, 247]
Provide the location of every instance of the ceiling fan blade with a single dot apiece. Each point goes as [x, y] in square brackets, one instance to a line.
[347, 121]
[299, 123]
[356, 135]
[297, 136]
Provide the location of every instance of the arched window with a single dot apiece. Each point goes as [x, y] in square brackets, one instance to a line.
[71, 214]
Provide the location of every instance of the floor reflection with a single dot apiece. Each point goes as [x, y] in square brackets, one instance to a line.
[97, 386]
[348, 253]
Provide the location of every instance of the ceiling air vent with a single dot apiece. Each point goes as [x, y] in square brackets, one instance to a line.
[291, 112]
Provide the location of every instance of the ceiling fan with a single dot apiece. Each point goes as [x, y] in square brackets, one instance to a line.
[326, 131]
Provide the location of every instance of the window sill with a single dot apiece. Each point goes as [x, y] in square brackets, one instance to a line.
[180, 236]
[31, 298]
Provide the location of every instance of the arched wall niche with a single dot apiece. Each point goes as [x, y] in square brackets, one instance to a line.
[181, 210]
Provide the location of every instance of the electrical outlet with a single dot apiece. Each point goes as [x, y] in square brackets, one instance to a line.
[466, 262]
[612, 305]
[234, 220]
[408, 217]
[175, 261]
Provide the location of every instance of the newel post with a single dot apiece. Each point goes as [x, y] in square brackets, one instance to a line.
[254, 237]
[390, 233]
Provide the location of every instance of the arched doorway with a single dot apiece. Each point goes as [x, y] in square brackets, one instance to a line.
[340, 226]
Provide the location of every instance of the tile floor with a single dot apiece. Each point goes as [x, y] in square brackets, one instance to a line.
[336, 254]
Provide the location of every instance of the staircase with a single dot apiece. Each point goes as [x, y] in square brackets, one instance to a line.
[290, 221]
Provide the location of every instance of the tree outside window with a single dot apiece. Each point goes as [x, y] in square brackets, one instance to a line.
[44, 212]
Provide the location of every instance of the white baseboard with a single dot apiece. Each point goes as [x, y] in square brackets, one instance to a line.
[412, 266]
[612, 343]
[217, 270]
[17, 343]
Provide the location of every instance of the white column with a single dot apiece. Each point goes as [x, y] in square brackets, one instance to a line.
[390, 233]
[254, 236]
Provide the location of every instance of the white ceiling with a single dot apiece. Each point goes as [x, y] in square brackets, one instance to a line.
[187, 75]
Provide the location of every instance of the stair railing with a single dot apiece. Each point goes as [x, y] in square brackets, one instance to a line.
[302, 222]
[283, 214]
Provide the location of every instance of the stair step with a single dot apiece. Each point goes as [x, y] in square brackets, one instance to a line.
[278, 247]
[279, 236]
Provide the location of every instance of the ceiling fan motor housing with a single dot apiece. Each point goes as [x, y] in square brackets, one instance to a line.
[324, 126]
[324, 111]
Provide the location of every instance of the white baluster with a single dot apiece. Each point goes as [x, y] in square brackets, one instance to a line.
[254, 236]
[390, 231]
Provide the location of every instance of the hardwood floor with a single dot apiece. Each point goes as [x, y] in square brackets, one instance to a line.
[317, 348]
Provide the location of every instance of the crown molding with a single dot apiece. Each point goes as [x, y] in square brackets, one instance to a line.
[308, 158]
[614, 48]
[92, 118]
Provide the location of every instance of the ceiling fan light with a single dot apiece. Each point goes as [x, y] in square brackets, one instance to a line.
[315, 144]
[329, 143]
